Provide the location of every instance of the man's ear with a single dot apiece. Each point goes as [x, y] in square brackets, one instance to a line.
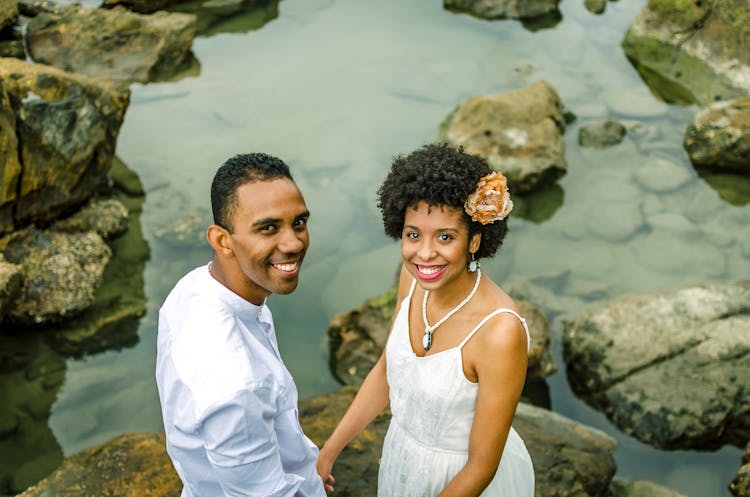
[220, 240]
[475, 242]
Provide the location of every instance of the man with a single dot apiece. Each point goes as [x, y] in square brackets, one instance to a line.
[228, 402]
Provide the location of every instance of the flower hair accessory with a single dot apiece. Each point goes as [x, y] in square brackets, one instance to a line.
[491, 201]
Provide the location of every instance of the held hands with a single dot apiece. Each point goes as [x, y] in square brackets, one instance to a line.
[325, 464]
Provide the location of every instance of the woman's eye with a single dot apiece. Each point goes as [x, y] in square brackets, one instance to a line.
[412, 234]
[444, 237]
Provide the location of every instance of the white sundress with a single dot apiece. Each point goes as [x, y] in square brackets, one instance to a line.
[433, 407]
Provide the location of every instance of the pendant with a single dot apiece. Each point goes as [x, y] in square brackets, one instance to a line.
[427, 339]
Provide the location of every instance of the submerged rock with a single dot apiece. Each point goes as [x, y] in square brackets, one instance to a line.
[356, 339]
[740, 484]
[501, 9]
[61, 272]
[134, 465]
[601, 134]
[671, 369]
[518, 132]
[65, 134]
[117, 44]
[620, 488]
[692, 52]
[595, 6]
[719, 137]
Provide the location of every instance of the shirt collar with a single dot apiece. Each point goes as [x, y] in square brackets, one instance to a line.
[244, 309]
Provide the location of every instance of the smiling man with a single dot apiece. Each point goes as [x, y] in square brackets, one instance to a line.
[228, 402]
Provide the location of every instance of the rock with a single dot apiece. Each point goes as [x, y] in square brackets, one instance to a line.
[32, 8]
[356, 339]
[671, 369]
[620, 488]
[569, 459]
[8, 13]
[132, 465]
[518, 132]
[661, 174]
[142, 6]
[740, 484]
[601, 134]
[60, 271]
[692, 52]
[66, 129]
[116, 44]
[229, 16]
[10, 166]
[11, 44]
[501, 9]
[595, 6]
[108, 218]
[719, 137]
[11, 278]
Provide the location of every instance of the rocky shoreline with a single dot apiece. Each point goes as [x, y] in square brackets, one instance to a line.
[669, 368]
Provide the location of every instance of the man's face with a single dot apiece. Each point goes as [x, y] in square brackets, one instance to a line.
[269, 237]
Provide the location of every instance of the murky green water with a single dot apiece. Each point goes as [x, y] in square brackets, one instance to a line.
[336, 88]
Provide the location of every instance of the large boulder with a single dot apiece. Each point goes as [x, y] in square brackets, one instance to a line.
[356, 338]
[501, 9]
[719, 137]
[61, 272]
[11, 278]
[671, 369]
[132, 465]
[519, 132]
[692, 52]
[569, 459]
[66, 130]
[740, 484]
[117, 44]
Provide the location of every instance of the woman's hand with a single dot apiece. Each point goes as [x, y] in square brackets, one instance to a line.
[324, 467]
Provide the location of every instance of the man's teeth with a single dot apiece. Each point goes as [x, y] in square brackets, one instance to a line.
[429, 270]
[286, 267]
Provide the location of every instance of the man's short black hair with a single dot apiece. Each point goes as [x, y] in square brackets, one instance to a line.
[237, 171]
[437, 174]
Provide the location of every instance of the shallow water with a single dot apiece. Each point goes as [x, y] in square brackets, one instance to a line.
[336, 88]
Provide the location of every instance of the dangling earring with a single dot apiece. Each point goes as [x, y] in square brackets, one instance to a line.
[473, 264]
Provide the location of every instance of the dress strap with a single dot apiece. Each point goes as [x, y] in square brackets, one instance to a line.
[490, 316]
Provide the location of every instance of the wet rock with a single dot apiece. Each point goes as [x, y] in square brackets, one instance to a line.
[116, 44]
[518, 132]
[569, 459]
[740, 484]
[130, 465]
[595, 6]
[10, 166]
[11, 278]
[108, 218]
[620, 488]
[692, 52]
[8, 13]
[356, 339]
[501, 9]
[66, 130]
[601, 134]
[671, 369]
[60, 271]
[719, 137]
[11, 44]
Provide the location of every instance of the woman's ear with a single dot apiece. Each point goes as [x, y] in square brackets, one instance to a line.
[475, 242]
[220, 240]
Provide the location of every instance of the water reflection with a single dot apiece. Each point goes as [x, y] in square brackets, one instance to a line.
[540, 205]
[31, 374]
[230, 16]
[732, 188]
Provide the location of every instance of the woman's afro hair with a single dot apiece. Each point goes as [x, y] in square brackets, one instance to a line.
[437, 174]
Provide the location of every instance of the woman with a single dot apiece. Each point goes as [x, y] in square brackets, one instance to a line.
[455, 361]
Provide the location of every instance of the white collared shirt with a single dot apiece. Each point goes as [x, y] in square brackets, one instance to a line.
[228, 402]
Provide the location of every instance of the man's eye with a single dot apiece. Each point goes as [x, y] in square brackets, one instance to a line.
[300, 223]
[269, 228]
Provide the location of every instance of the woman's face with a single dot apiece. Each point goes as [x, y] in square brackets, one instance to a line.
[435, 244]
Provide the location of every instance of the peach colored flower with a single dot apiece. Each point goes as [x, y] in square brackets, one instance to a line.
[491, 201]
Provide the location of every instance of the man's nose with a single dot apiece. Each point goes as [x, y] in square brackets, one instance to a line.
[292, 241]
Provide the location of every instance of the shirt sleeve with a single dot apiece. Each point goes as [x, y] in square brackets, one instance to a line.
[243, 448]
